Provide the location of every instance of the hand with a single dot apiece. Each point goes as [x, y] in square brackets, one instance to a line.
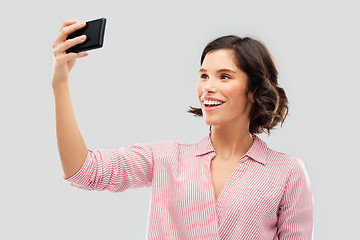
[64, 62]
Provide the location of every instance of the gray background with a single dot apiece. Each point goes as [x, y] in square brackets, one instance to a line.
[138, 87]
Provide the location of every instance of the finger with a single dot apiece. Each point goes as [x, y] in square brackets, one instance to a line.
[66, 30]
[71, 28]
[61, 48]
[64, 24]
[68, 23]
[67, 57]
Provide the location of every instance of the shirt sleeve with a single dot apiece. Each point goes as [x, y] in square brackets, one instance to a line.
[295, 220]
[116, 170]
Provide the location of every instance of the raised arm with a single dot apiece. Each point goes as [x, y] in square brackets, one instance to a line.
[71, 146]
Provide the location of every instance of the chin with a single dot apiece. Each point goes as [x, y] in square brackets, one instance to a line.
[211, 121]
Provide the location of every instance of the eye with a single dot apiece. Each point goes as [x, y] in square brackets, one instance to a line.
[224, 76]
[204, 76]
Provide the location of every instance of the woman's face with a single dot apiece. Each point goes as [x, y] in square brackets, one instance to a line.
[222, 90]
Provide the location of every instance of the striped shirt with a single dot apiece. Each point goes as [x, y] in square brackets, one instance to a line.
[268, 196]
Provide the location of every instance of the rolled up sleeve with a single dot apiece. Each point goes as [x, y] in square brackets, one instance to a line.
[116, 170]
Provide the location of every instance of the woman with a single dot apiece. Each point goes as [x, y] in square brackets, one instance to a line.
[229, 185]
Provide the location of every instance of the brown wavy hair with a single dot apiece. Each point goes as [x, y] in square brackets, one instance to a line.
[270, 102]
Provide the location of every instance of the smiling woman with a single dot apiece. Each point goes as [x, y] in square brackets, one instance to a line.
[246, 60]
[229, 185]
[221, 81]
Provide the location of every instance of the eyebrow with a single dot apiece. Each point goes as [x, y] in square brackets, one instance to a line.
[218, 71]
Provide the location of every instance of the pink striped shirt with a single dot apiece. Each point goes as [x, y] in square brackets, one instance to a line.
[268, 196]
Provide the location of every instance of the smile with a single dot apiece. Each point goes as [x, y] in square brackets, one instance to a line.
[212, 103]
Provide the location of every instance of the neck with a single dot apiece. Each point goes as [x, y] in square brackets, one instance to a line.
[230, 143]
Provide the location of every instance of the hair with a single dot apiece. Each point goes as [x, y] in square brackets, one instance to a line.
[270, 104]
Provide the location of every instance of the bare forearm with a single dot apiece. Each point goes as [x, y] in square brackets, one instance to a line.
[72, 148]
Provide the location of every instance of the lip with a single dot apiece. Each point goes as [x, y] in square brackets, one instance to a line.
[210, 99]
[210, 109]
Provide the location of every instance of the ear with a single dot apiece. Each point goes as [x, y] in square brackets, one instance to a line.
[251, 97]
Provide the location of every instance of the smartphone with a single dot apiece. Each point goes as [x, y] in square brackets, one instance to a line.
[94, 31]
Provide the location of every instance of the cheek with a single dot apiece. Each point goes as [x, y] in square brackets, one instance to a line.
[237, 93]
[199, 89]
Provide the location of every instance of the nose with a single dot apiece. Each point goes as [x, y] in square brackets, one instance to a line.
[209, 87]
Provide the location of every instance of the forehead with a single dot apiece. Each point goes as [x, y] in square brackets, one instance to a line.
[222, 58]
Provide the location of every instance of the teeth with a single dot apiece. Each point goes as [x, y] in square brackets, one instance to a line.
[211, 102]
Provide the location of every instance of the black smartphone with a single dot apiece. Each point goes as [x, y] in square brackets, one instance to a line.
[94, 31]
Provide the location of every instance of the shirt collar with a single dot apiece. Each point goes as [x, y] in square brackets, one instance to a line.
[258, 150]
[204, 146]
